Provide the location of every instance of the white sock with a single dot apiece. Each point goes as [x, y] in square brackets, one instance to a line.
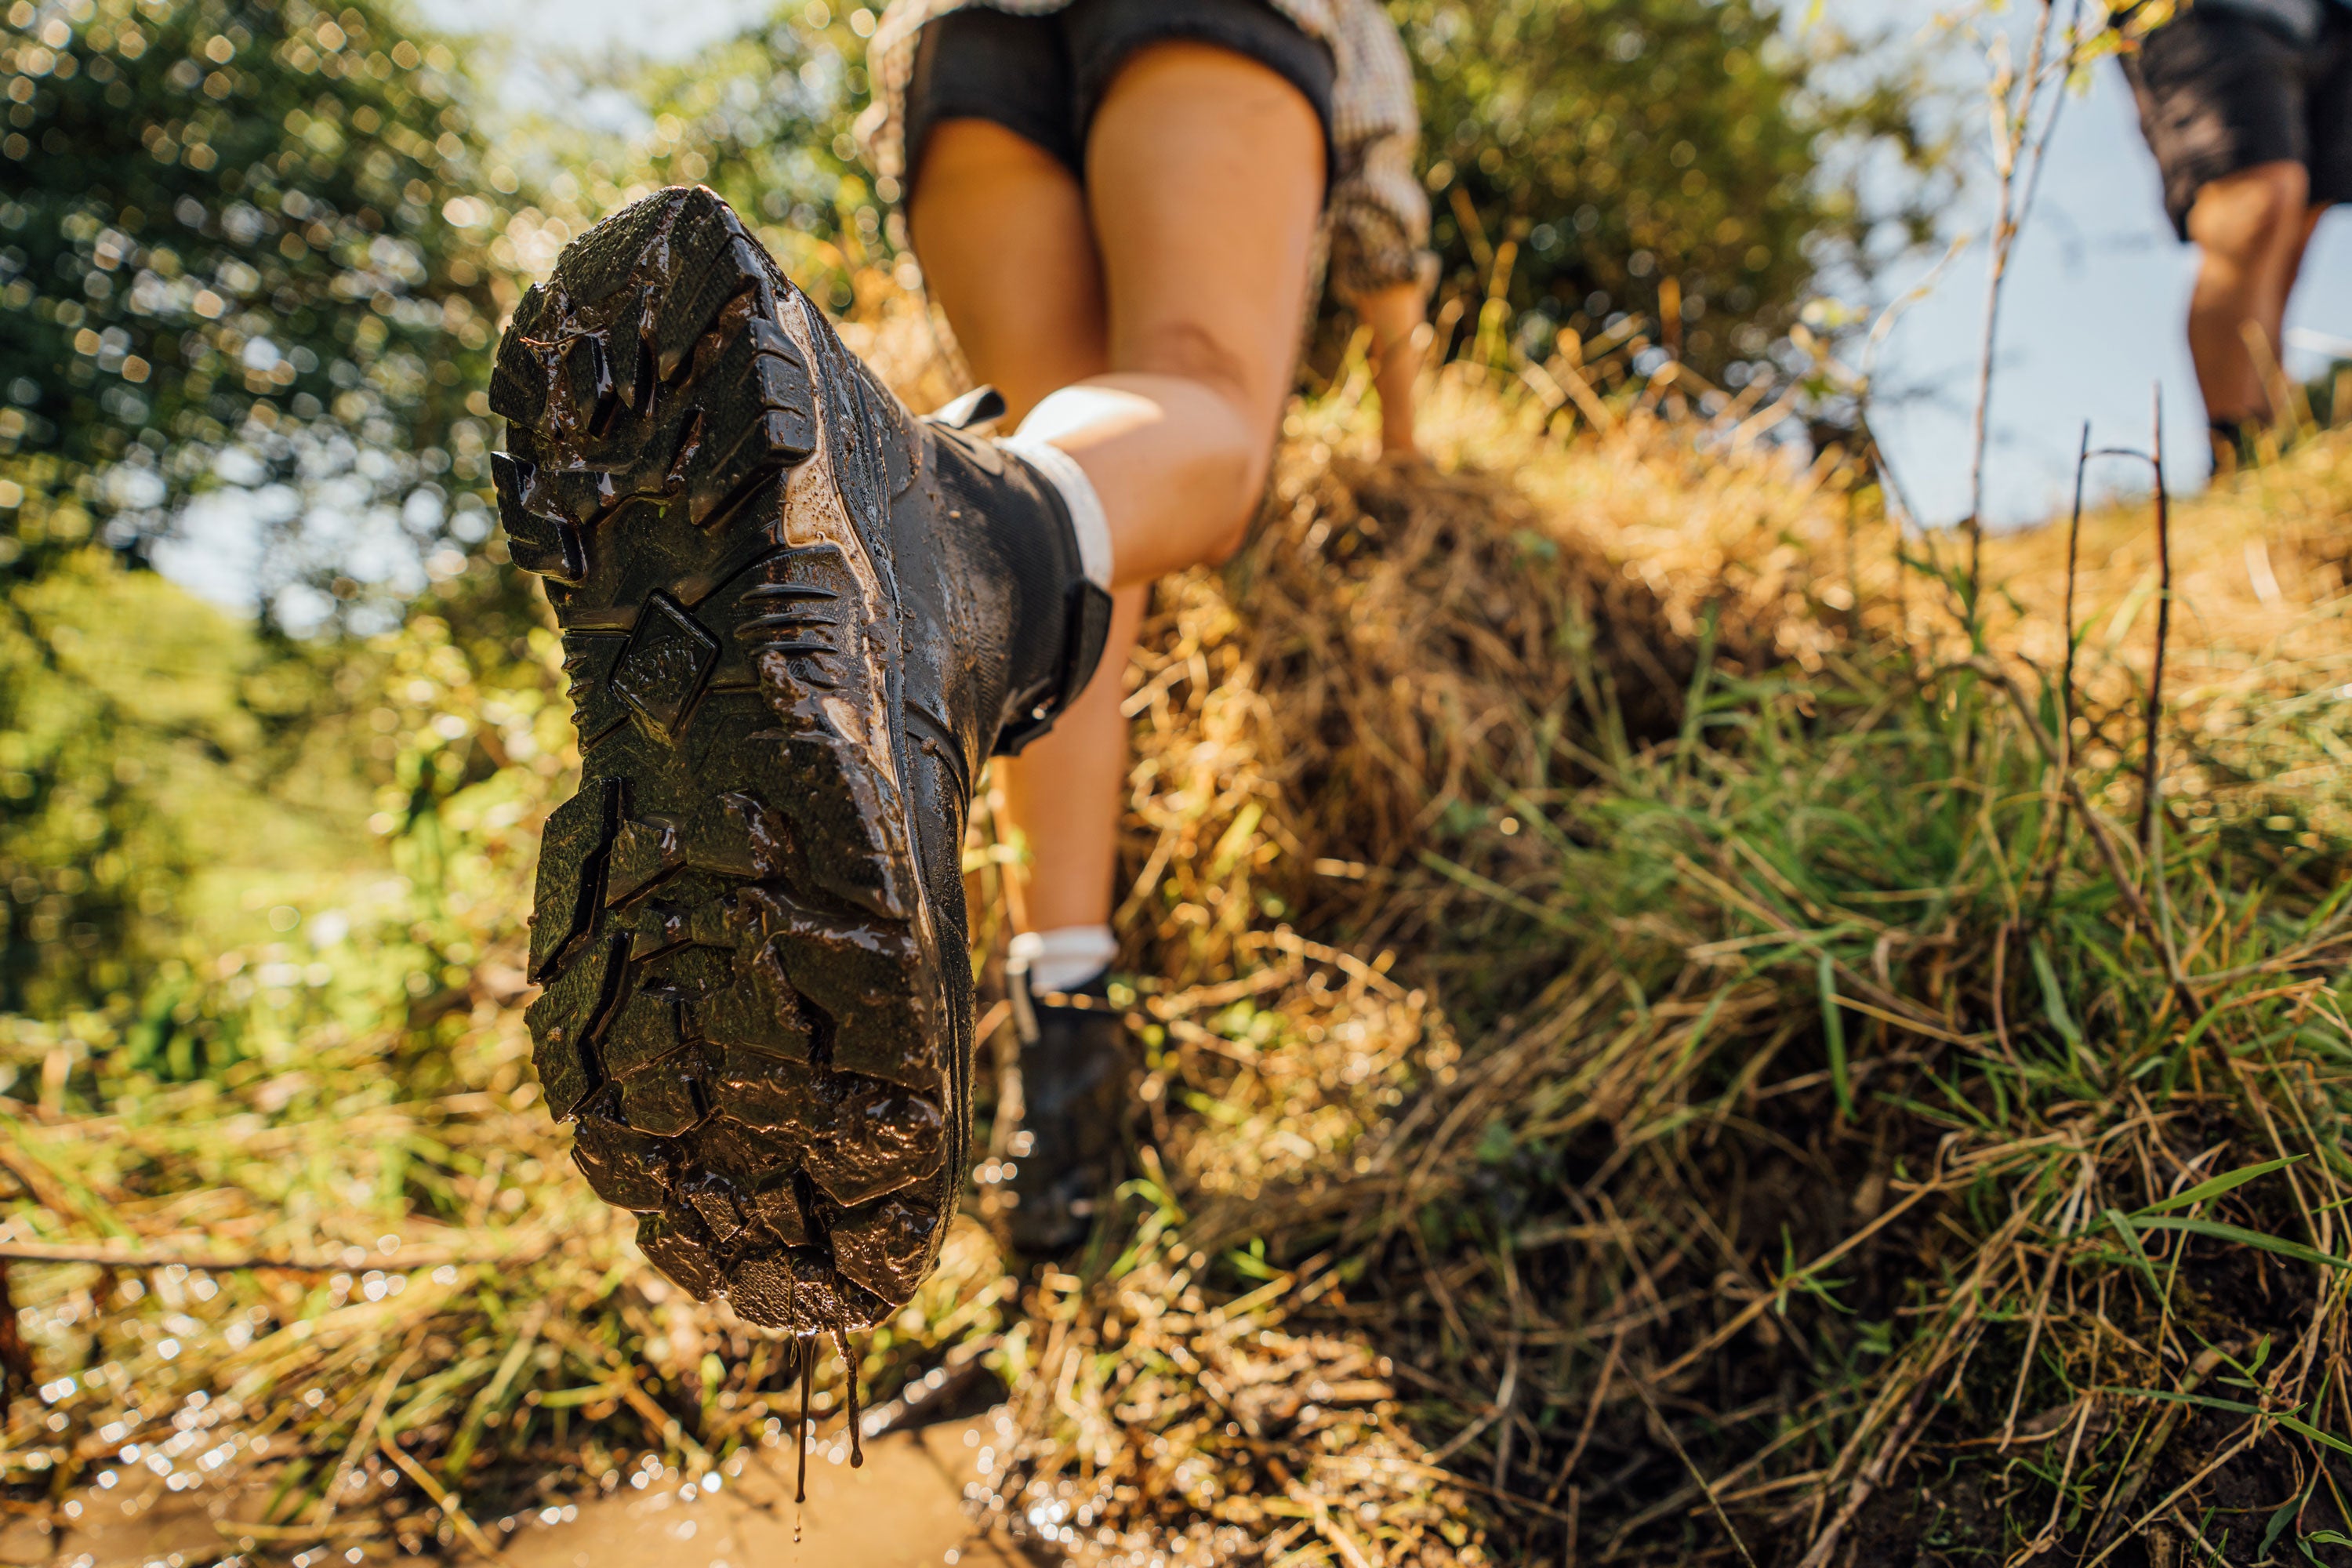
[1077, 493]
[1063, 958]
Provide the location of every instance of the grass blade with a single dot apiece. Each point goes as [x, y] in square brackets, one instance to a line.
[2054, 999]
[2244, 1237]
[2305, 1428]
[2217, 1186]
[2122, 1227]
[1834, 1031]
[2202, 1401]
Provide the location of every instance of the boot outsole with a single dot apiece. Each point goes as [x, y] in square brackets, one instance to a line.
[744, 1012]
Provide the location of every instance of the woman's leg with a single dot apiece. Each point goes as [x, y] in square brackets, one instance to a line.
[1204, 172]
[2251, 226]
[1205, 182]
[1002, 230]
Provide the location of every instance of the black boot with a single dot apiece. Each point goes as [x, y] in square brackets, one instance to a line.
[1071, 1150]
[2237, 445]
[797, 621]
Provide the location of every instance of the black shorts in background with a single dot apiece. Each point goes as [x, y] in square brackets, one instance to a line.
[2220, 92]
[1043, 77]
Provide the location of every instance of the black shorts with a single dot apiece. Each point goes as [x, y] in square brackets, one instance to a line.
[2220, 92]
[1041, 78]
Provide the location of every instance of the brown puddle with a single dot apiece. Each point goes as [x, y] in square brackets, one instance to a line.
[903, 1509]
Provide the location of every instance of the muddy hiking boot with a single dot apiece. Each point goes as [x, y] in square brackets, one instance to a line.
[797, 621]
[1075, 1065]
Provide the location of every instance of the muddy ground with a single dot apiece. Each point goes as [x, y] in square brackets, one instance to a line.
[903, 1509]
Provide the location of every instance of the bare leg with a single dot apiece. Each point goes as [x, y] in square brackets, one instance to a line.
[2251, 226]
[1399, 319]
[1066, 792]
[1206, 175]
[1204, 183]
[1171, 396]
[1008, 251]
[2310, 216]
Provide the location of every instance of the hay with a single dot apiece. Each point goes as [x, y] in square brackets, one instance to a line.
[1587, 1241]
[1723, 1182]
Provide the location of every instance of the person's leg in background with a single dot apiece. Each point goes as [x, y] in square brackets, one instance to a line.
[2314, 209]
[2251, 226]
[2328, 122]
[2226, 102]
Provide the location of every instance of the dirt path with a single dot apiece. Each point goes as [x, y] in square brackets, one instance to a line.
[903, 1509]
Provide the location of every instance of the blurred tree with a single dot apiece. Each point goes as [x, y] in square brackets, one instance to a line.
[84, 856]
[764, 119]
[1607, 157]
[247, 302]
[141, 746]
[240, 244]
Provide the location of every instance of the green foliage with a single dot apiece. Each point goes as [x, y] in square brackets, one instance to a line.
[82, 853]
[157, 759]
[1585, 157]
[764, 119]
[236, 245]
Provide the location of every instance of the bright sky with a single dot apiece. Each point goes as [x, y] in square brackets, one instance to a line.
[671, 31]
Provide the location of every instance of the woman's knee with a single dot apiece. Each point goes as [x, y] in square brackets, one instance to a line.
[1250, 466]
[1228, 545]
[2252, 213]
[1197, 351]
[1235, 446]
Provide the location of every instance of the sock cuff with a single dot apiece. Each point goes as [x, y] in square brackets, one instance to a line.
[1078, 492]
[1062, 959]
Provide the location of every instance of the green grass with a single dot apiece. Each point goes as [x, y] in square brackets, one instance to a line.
[1891, 1066]
[162, 770]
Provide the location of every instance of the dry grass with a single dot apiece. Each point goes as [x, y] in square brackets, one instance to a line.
[1664, 1273]
[1640, 1053]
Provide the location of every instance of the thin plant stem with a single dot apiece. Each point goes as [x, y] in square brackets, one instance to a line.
[2073, 571]
[2063, 765]
[2126, 885]
[2150, 762]
[2018, 154]
[2072, 37]
[2008, 128]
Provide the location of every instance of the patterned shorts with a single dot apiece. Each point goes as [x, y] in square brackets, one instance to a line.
[2220, 92]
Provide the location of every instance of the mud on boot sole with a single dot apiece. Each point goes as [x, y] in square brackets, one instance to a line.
[745, 1010]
